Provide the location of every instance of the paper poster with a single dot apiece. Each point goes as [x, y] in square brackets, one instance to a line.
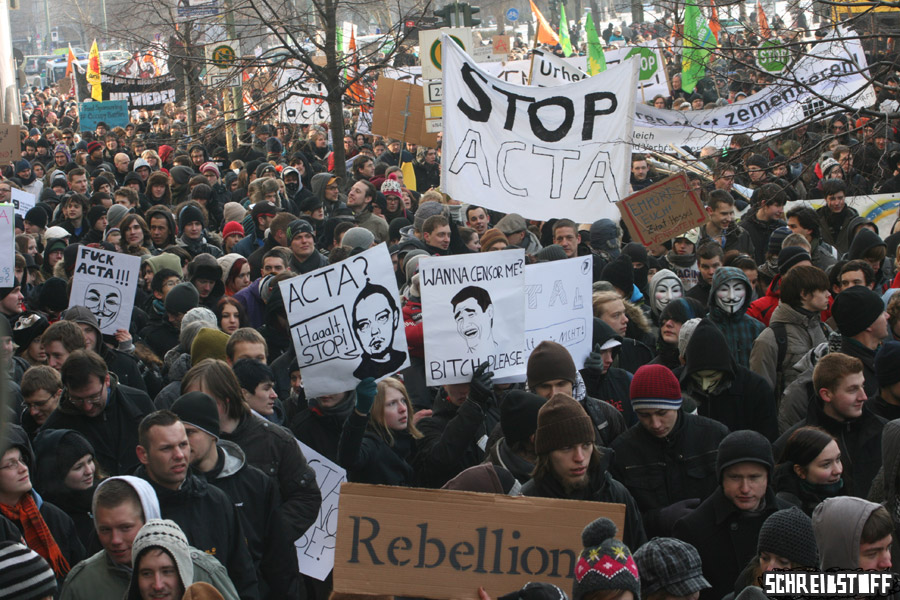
[346, 322]
[554, 152]
[558, 306]
[315, 550]
[113, 112]
[22, 201]
[105, 282]
[663, 210]
[7, 245]
[473, 311]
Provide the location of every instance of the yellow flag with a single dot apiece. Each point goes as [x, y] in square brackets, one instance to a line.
[409, 175]
[93, 73]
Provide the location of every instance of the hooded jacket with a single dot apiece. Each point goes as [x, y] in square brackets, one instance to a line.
[320, 427]
[368, 458]
[741, 399]
[760, 232]
[317, 185]
[739, 329]
[885, 488]
[611, 387]
[660, 276]
[171, 239]
[206, 266]
[838, 524]
[158, 179]
[865, 240]
[804, 331]
[836, 227]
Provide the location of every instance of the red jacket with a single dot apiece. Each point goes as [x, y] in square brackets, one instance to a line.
[412, 319]
[761, 309]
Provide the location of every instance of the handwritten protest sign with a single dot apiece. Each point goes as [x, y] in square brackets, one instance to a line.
[662, 211]
[558, 306]
[105, 282]
[345, 322]
[315, 550]
[113, 112]
[10, 143]
[399, 112]
[22, 201]
[445, 544]
[7, 245]
[472, 311]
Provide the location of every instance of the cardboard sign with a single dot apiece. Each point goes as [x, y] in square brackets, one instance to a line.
[472, 311]
[114, 113]
[400, 113]
[22, 201]
[10, 143]
[445, 544]
[315, 550]
[303, 99]
[663, 210]
[346, 322]
[105, 282]
[7, 245]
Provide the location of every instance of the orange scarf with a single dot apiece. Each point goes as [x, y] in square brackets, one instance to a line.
[37, 534]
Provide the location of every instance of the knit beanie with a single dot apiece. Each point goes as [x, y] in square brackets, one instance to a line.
[358, 237]
[655, 387]
[209, 343]
[741, 446]
[29, 327]
[536, 590]
[190, 214]
[204, 266]
[297, 227]
[620, 273]
[855, 309]
[551, 253]
[790, 256]
[605, 563]
[182, 298]
[37, 216]
[233, 212]
[70, 449]
[165, 534]
[231, 228]
[562, 422]
[24, 574]
[115, 214]
[210, 166]
[411, 267]
[549, 361]
[166, 260]
[181, 174]
[491, 237]
[93, 146]
[199, 410]
[200, 314]
[672, 566]
[684, 336]
[425, 210]
[788, 533]
[776, 239]
[519, 415]
[95, 214]
[887, 363]
[391, 187]
[53, 295]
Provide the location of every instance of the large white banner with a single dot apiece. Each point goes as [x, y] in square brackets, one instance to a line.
[549, 69]
[105, 282]
[345, 322]
[543, 153]
[473, 311]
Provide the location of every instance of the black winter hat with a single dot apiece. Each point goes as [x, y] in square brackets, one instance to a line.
[181, 174]
[29, 327]
[741, 446]
[620, 273]
[182, 298]
[53, 295]
[189, 214]
[4, 292]
[71, 448]
[519, 415]
[37, 216]
[886, 364]
[855, 309]
[199, 410]
[790, 256]
[95, 214]
[789, 534]
[605, 563]
[535, 590]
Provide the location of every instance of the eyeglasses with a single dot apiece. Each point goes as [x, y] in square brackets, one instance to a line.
[331, 187]
[13, 464]
[95, 400]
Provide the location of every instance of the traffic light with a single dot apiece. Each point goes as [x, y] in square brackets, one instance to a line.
[469, 11]
[446, 15]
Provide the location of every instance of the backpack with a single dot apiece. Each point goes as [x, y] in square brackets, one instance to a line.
[781, 340]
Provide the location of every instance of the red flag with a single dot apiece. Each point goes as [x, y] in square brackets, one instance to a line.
[764, 30]
[356, 92]
[714, 25]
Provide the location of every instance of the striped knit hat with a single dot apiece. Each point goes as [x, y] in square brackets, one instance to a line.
[655, 387]
[24, 575]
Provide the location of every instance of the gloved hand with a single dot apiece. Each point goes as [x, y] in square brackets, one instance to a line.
[594, 360]
[670, 514]
[365, 395]
[482, 382]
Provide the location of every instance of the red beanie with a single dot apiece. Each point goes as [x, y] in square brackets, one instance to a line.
[232, 227]
[655, 387]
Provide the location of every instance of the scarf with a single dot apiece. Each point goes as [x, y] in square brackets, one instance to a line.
[37, 534]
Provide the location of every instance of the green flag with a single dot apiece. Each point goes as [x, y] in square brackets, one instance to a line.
[596, 57]
[564, 40]
[698, 40]
[339, 41]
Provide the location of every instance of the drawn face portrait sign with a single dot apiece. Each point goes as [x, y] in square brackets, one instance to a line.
[345, 322]
[473, 311]
[106, 282]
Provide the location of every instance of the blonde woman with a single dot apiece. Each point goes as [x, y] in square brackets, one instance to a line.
[378, 441]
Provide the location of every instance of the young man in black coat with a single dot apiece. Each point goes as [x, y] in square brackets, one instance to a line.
[725, 527]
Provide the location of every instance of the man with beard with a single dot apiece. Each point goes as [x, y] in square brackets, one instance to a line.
[570, 466]
[375, 318]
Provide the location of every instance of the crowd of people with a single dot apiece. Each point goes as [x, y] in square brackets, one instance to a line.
[740, 399]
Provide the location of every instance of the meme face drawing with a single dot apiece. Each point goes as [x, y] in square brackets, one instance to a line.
[473, 312]
[104, 301]
[375, 319]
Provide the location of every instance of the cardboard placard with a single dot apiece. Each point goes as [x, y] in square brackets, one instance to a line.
[391, 104]
[10, 143]
[105, 282]
[663, 210]
[113, 112]
[445, 544]
[315, 550]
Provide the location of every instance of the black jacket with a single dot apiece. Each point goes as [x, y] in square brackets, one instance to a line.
[851, 347]
[160, 335]
[455, 438]
[114, 433]
[369, 459]
[725, 537]
[321, 430]
[661, 471]
[124, 366]
[859, 441]
[602, 488]
[273, 450]
[211, 524]
[760, 232]
[796, 492]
